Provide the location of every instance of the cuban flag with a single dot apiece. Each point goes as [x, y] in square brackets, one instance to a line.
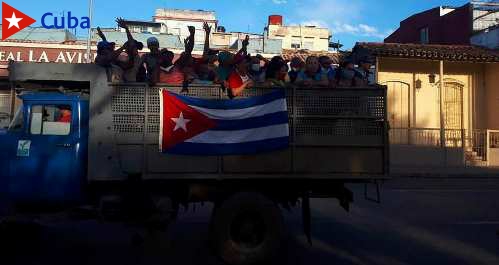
[194, 126]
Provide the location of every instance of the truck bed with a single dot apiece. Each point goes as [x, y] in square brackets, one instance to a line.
[334, 134]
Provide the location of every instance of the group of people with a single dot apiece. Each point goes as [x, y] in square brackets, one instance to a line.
[234, 72]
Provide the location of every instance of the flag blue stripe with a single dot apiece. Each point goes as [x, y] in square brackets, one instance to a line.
[253, 122]
[232, 103]
[267, 145]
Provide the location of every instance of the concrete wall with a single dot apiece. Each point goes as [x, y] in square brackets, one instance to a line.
[177, 20]
[423, 107]
[489, 39]
[420, 107]
[444, 28]
[492, 94]
[310, 38]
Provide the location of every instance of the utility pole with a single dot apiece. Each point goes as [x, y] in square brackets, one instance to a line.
[89, 37]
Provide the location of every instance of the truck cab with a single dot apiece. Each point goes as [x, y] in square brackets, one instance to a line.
[44, 149]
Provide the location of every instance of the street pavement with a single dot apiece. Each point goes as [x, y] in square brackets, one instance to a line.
[419, 221]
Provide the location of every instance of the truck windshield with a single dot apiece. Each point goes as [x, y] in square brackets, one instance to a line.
[18, 121]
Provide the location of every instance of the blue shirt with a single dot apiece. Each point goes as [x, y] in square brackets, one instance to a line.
[303, 76]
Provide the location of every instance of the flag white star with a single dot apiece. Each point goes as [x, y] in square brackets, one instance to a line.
[13, 21]
[180, 122]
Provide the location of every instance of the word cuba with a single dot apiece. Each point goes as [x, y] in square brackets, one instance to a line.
[49, 21]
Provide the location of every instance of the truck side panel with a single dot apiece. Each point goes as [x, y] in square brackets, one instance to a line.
[334, 134]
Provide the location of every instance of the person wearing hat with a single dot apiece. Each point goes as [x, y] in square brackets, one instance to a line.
[106, 54]
[149, 63]
[363, 75]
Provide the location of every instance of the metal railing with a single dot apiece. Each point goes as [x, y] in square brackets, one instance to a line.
[492, 142]
[476, 144]
[425, 137]
[341, 112]
[477, 147]
[5, 109]
[321, 121]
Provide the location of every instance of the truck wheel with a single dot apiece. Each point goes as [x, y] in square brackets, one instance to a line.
[246, 229]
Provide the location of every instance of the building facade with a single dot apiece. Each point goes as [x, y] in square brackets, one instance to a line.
[488, 38]
[177, 20]
[442, 105]
[448, 25]
[298, 37]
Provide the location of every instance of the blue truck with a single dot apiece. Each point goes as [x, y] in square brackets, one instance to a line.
[78, 140]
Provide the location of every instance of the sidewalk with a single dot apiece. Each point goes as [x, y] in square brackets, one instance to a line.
[444, 172]
[440, 183]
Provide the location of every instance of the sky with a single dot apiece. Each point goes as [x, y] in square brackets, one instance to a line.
[350, 21]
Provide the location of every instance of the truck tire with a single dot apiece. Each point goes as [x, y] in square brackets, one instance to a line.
[247, 229]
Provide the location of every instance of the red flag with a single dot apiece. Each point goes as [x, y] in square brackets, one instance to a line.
[13, 21]
[180, 121]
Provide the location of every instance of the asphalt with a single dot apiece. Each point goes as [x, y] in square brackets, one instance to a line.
[419, 221]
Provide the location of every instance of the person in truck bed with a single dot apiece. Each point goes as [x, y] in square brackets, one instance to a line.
[149, 66]
[239, 78]
[345, 74]
[296, 66]
[311, 75]
[177, 72]
[132, 62]
[277, 73]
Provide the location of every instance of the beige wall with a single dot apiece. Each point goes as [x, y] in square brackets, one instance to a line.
[492, 94]
[423, 107]
[311, 38]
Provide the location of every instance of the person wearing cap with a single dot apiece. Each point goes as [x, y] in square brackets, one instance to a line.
[363, 75]
[106, 54]
[149, 63]
[110, 58]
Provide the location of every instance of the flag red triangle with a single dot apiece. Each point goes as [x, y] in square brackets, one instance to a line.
[180, 122]
[13, 21]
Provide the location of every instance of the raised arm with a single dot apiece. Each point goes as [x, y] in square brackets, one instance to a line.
[121, 23]
[207, 30]
[244, 50]
[101, 35]
[189, 42]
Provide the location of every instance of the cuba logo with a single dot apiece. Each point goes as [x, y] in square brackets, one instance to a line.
[14, 21]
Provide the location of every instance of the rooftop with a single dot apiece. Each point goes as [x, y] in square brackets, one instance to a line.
[460, 53]
[185, 14]
[288, 54]
[39, 34]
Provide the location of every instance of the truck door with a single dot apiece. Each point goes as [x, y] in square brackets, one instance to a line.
[42, 168]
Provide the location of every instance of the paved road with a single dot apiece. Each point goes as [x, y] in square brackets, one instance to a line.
[420, 221]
